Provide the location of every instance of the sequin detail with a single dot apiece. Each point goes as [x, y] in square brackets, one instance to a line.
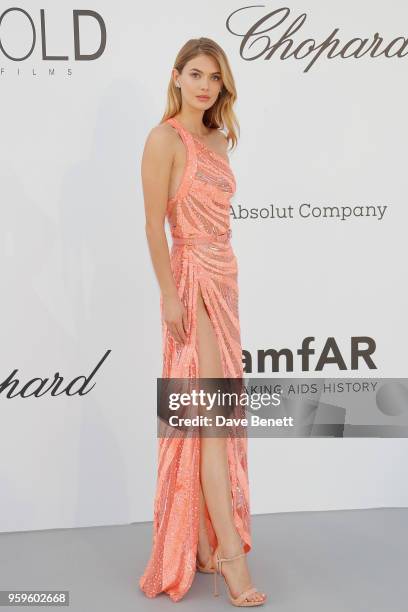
[199, 209]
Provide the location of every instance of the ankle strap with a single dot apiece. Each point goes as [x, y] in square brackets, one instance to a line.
[232, 558]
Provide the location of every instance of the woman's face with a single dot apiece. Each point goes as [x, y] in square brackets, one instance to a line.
[200, 81]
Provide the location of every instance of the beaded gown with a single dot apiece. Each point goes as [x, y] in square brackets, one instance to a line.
[201, 258]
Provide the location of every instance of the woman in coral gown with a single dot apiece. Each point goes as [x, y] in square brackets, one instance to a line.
[201, 507]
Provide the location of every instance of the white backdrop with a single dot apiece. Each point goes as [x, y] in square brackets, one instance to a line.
[76, 271]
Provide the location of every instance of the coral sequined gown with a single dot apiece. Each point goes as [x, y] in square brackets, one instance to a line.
[201, 257]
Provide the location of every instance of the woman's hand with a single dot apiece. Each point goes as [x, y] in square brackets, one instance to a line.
[175, 316]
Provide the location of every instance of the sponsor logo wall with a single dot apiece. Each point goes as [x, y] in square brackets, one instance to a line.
[318, 227]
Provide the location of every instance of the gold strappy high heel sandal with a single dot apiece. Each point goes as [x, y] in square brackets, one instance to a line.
[240, 599]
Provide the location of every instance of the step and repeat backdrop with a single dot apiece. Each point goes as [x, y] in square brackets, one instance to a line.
[319, 223]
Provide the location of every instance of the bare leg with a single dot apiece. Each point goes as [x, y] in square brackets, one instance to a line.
[204, 549]
[214, 470]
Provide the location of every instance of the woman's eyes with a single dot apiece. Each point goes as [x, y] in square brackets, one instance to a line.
[215, 75]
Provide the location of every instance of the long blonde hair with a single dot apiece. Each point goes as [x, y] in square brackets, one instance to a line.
[221, 114]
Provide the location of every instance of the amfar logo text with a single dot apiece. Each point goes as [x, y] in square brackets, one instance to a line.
[31, 40]
[358, 357]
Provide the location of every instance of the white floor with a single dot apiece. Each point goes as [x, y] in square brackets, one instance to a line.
[345, 561]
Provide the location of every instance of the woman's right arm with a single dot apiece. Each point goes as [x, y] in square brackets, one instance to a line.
[157, 161]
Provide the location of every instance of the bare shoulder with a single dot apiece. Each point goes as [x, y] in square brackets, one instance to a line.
[161, 140]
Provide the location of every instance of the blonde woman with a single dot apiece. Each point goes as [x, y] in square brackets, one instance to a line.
[201, 509]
